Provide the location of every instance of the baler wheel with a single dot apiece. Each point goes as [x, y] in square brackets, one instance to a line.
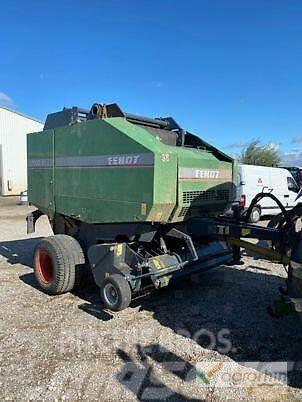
[58, 264]
[116, 292]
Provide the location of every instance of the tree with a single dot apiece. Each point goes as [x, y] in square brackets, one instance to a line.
[263, 155]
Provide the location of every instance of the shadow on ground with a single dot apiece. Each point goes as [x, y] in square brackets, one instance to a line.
[139, 377]
[19, 251]
[223, 309]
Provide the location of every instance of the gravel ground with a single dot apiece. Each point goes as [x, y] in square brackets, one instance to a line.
[68, 347]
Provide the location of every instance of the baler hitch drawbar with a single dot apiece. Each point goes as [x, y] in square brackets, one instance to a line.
[283, 238]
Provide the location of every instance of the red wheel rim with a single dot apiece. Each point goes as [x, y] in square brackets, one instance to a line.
[45, 266]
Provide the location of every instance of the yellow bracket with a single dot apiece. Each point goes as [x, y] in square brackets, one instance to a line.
[268, 253]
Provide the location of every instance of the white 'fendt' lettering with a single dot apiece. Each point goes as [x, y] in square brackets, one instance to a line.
[207, 174]
[123, 160]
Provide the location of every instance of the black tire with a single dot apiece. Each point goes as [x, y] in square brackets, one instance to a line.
[255, 215]
[58, 264]
[121, 289]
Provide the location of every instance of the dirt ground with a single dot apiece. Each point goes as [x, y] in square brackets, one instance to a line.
[68, 347]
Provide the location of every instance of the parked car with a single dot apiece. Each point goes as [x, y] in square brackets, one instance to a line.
[256, 179]
[296, 172]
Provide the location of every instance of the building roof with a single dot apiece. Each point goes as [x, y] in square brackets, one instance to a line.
[21, 114]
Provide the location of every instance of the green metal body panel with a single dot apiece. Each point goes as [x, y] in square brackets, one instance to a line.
[113, 171]
[41, 181]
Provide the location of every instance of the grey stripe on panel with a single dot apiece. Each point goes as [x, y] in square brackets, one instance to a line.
[40, 163]
[120, 160]
[200, 174]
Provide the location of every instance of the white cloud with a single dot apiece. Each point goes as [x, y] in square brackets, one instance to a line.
[297, 139]
[292, 158]
[5, 99]
[239, 144]
[274, 145]
[244, 144]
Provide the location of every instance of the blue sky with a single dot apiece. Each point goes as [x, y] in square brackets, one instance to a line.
[228, 70]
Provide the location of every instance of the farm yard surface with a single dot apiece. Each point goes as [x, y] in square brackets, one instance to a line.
[199, 339]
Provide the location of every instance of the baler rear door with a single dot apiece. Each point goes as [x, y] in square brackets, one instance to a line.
[40, 164]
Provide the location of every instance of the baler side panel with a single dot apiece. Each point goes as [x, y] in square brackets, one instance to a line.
[165, 184]
[138, 134]
[94, 181]
[198, 194]
[165, 170]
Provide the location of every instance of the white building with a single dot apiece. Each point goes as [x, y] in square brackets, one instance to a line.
[13, 166]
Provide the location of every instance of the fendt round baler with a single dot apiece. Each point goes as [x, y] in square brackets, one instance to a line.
[137, 199]
[123, 187]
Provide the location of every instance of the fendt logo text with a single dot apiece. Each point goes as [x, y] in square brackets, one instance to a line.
[123, 160]
[207, 174]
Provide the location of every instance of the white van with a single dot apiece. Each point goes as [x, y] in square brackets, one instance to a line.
[256, 179]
